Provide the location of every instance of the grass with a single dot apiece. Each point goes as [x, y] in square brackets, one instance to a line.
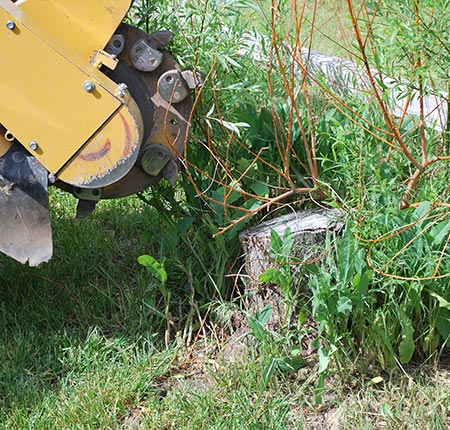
[92, 340]
[80, 350]
[328, 35]
[409, 402]
[319, 27]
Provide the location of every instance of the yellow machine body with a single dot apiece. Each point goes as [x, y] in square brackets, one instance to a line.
[95, 106]
[74, 28]
[48, 58]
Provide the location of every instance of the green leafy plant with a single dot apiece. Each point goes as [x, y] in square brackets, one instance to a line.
[276, 353]
[270, 132]
[281, 257]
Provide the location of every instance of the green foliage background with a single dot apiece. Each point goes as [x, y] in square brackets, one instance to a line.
[382, 293]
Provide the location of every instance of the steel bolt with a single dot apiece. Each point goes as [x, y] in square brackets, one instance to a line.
[88, 86]
[34, 145]
[121, 88]
[10, 25]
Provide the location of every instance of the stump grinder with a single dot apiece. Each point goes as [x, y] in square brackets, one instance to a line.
[89, 104]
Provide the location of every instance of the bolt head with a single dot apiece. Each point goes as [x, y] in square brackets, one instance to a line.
[121, 88]
[88, 86]
[10, 25]
[34, 145]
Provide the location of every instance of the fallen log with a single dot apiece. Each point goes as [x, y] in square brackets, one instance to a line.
[345, 77]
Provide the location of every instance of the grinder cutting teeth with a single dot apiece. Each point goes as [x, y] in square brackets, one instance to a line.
[95, 106]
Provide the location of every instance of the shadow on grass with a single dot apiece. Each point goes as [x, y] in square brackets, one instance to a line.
[93, 283]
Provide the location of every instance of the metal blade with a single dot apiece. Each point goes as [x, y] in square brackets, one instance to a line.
[25, 230]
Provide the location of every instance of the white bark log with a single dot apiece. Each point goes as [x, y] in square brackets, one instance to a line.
[344, 76]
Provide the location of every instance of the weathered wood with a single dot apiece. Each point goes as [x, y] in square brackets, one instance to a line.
[344, 76]
[308, 229]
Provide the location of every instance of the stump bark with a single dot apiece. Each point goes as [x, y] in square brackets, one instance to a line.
[308, 229]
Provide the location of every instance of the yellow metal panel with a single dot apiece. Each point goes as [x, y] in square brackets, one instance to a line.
[110, 153]
[42, 96]
[82, 26]
[4, 143]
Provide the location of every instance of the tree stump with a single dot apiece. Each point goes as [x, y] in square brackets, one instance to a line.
[308, 231]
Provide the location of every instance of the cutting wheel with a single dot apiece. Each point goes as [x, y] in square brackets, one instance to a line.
[148, 72]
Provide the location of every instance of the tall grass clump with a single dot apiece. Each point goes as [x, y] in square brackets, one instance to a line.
[274, 130]
[398, 214]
